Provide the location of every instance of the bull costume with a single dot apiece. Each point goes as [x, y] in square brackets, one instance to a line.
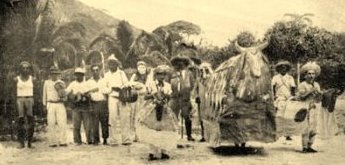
[53, 99]
[182, 83]
[25, 102]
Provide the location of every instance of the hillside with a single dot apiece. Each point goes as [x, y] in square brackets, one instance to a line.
[95, 20]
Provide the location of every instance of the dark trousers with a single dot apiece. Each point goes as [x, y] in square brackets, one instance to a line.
[79, 116]
[184, 107]
[159, 112]
[25, 111]
[99, 114]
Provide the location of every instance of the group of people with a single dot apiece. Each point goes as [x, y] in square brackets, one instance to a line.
[319, 117]
[97, 101]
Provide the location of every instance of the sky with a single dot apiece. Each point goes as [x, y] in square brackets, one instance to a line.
[222, 19]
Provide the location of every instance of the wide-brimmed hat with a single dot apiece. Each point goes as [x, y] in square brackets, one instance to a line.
[177, 59]
[161, 69]
[311, 66]
[79, 70]
[141, 63]
[23, 63]
[283, 63]
[54, 70]
[113, 58]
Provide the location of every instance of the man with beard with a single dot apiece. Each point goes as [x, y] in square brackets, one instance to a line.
[25, 102]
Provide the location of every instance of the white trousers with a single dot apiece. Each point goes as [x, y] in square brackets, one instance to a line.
[119, 120]
[57, 123]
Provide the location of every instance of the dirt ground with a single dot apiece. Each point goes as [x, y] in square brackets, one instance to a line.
[280, 152]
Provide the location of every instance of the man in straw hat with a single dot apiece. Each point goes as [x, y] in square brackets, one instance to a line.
[284, 87]
[119, 114]
[53, 99]
[182, 83]
[77, 91]
[309, 92]
[25, 102]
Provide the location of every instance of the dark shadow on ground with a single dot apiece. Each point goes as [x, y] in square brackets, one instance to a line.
[238, 151]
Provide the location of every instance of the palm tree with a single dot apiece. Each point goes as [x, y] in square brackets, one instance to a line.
[300, 18]
[68, 41]
[107, 45]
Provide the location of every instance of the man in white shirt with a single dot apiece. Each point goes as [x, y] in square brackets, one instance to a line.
[119, 112]
[99, 107]
[77, 91]
[25, 101]
[53, 100]
[283, 86]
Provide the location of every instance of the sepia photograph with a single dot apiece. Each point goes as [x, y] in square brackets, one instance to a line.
[183, 82]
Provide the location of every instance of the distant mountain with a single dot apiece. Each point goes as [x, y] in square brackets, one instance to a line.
[95, 20]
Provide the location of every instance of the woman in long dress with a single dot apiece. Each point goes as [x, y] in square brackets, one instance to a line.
[138, 81]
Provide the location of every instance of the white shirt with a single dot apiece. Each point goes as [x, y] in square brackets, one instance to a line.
[25, 88]
[49, 91]
[92, 84]
[283, 85]
[116, 79]
[77, 87]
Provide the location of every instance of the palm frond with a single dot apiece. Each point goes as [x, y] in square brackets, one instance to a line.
[70, 29]
[103, 38]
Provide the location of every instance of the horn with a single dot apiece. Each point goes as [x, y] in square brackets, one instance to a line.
[238, 47]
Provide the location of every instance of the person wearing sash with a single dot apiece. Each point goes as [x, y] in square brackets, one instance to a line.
[309, 92]
[54, 97]
[119, 113]
[284, 87]
[25, 102]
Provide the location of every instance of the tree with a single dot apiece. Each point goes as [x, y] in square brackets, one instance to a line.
[172, 34]
[298, 42]
[124, 34]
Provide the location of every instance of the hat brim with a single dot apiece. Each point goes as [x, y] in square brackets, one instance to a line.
[284, 63]
[175, 60]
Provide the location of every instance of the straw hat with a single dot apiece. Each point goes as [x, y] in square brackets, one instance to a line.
[25, 63]
[163, 69]
[311, 66]
[79, 70]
